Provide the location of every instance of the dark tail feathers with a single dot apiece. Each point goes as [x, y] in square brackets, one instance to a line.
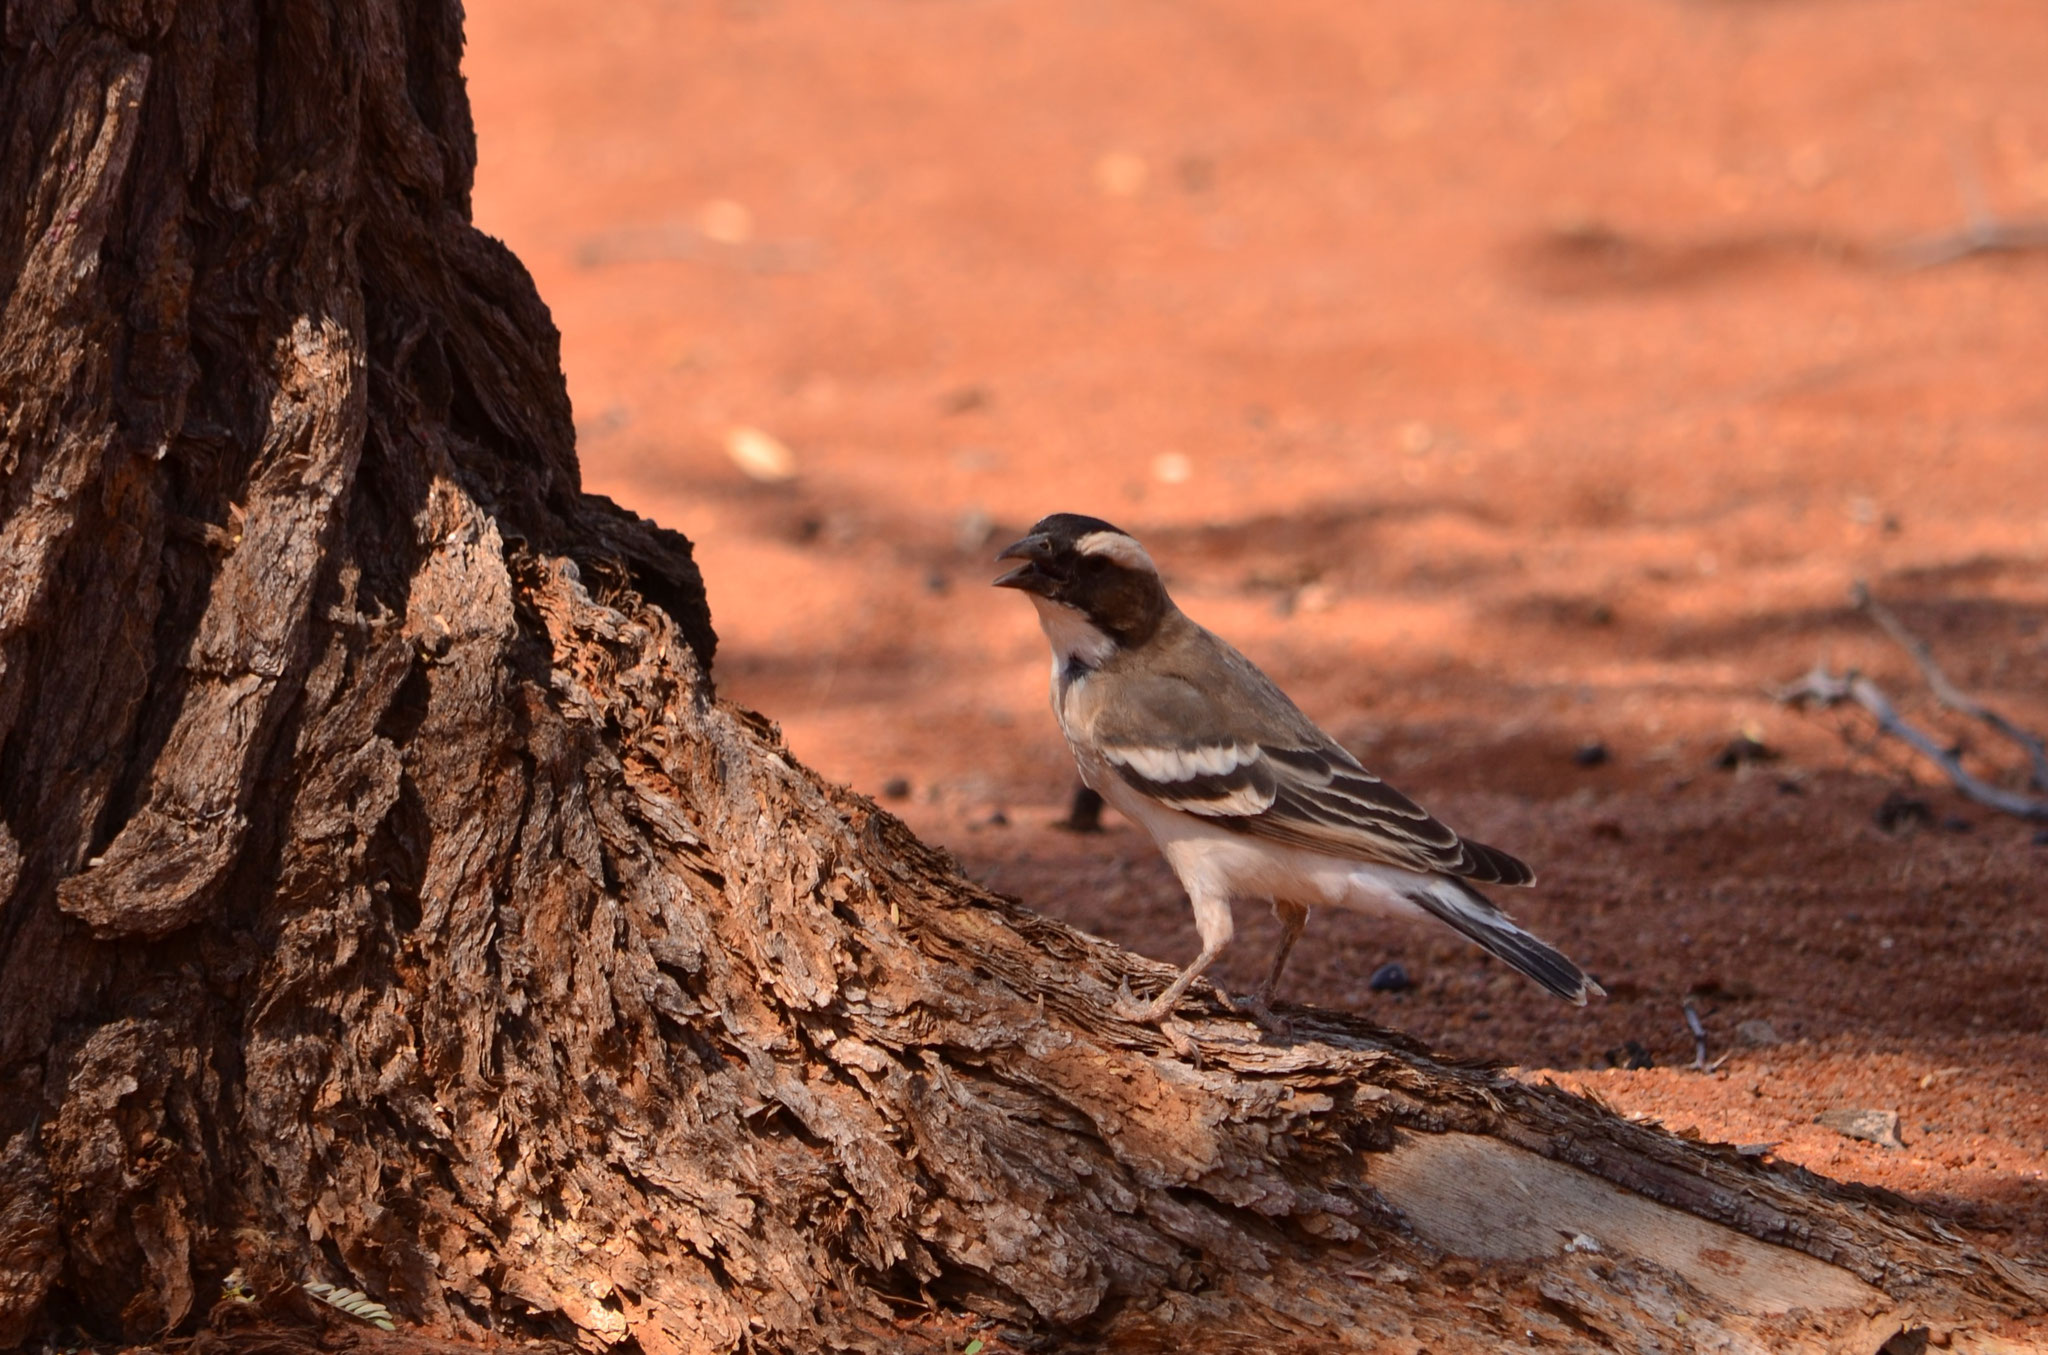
[1472, 914]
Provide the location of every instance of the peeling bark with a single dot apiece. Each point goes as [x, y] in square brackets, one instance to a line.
[386, 898]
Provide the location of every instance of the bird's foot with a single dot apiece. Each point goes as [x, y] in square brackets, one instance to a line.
[1182, 1040]
[1151, 1013]
[1257, 1009]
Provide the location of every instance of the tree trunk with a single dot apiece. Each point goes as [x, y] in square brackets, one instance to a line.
[386, 898]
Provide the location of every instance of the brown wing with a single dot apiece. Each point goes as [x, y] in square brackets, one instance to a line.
[1264, 769]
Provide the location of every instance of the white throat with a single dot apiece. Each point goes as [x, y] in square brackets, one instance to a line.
[1075, 639]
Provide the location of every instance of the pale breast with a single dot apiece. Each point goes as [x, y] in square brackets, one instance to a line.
[1073, 707]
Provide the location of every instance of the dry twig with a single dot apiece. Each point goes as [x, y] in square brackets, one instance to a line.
[1985, 232]
[1699, 1035]
[1823, 688]
[1945, 691]
[1980, 237]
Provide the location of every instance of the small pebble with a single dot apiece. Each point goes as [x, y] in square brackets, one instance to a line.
[1590, 754]
[1172, 468]
[896, 788]
[760, 456]
[1313, 598]
[2041, 838]
[1631, 1056]
[1743, 749]
[1390, 978]
[725, 222]
[1120, 174]
[1901, 810]
[964, 400]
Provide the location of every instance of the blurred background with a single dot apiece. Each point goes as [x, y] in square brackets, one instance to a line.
[1523, 384]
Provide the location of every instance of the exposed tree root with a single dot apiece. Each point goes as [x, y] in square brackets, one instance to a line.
[388, 900]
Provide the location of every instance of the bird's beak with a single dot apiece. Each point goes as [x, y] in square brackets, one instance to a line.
[1026, 576]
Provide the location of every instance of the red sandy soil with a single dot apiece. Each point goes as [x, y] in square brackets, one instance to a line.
[1502, 377]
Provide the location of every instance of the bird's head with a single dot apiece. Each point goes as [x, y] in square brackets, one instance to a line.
[1085, 566]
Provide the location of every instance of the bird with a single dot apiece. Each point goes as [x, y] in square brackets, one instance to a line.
[1246, 797]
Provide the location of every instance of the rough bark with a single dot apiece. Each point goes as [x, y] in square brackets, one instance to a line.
[387, 899]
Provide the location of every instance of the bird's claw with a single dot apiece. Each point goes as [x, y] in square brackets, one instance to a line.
[1129, 1008]
[1257, 1009]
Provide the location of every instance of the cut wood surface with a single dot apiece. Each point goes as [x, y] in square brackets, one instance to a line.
[391, 903]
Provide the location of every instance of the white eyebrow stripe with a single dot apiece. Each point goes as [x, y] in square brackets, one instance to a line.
[1165, 766]
[1116, 546]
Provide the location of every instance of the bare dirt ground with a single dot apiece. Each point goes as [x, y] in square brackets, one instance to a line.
[1504, 378]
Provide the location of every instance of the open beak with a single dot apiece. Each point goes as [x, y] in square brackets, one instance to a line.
[1026, 576]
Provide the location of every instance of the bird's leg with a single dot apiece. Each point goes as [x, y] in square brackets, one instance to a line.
[1293, 917]
[1162, 1006]
[1212, 923]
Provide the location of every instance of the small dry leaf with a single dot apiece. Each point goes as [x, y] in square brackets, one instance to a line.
[1880, 1127]
[760, 456]
[1757, 1033]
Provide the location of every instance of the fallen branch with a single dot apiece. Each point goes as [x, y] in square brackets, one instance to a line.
[1824, 689]
[1945, 691]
